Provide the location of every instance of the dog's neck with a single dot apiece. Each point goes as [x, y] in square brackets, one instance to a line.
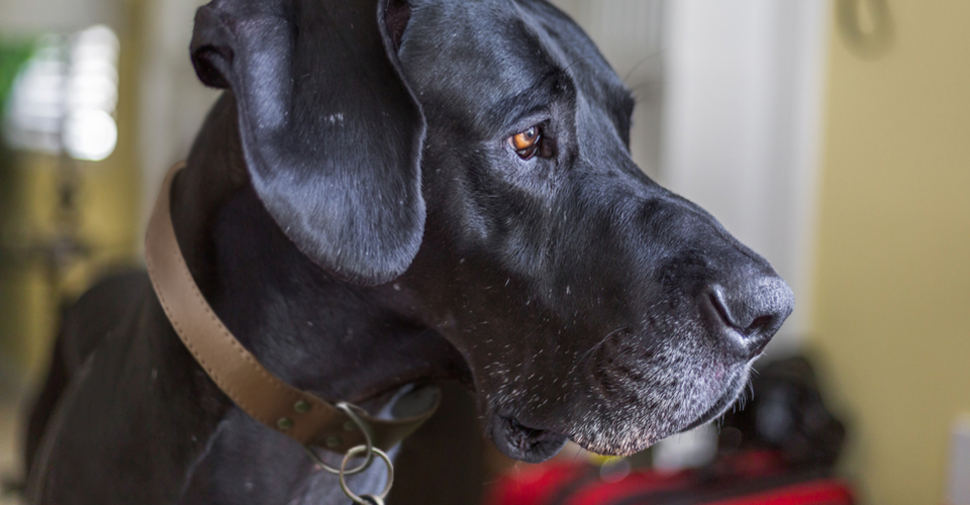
[310, 328]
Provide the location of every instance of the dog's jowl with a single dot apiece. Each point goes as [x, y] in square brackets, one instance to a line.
[390, 193]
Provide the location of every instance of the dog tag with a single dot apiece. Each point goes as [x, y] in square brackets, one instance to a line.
[372, 500]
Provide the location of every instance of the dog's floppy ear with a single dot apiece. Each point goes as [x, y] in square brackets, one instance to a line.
[330, 131]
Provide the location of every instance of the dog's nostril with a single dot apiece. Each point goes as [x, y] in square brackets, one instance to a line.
[717, 299]
[752, 308]
[759, 324]
[744, 315]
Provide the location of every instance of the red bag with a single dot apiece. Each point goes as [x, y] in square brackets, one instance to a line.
[752, 478]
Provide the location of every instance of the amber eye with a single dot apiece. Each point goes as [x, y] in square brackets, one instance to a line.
[526, 139]
[526, 143]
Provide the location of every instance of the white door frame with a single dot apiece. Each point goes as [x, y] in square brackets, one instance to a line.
[743, 95]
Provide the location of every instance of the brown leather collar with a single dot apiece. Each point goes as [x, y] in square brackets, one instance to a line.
[301, 415]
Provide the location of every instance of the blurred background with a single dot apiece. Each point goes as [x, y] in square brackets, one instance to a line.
[833, 137]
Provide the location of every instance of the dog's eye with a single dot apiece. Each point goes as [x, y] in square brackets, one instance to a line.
[526, 143]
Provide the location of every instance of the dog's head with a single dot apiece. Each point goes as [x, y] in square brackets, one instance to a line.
[476, 154]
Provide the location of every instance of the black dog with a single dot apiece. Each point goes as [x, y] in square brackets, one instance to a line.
[391, 192]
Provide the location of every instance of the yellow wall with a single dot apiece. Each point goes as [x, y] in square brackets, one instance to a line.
[893, 273]
[108, 202]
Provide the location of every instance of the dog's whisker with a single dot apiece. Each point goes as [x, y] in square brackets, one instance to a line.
[575, 62]
[651, 56]
[590, 351]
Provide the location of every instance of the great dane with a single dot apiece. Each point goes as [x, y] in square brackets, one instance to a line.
[391, 192]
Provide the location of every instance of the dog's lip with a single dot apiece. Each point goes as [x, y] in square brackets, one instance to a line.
[524, 441]
[533, 442]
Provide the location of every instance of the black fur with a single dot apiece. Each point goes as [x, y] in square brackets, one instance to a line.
[354, 212]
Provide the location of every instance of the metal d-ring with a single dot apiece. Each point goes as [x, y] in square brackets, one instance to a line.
[349, 409]
[390, 475]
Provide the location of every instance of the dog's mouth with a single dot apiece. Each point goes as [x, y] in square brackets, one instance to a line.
[525, 443]
[533, 443]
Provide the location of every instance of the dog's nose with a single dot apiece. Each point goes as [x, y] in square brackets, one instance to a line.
[751, 309]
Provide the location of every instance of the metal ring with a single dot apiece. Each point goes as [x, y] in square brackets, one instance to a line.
[373, 450]
[349, 409]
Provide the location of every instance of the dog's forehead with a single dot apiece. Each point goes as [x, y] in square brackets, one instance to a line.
[475, 54]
